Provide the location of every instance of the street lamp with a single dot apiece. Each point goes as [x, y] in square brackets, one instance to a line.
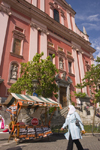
[35, 83]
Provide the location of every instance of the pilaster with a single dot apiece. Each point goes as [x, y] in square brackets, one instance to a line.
[33, 41]
[5, 12]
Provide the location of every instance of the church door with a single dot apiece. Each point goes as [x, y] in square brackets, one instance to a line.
[63, 98]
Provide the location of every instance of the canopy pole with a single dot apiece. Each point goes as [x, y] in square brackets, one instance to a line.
[45, 115]
[52, 116]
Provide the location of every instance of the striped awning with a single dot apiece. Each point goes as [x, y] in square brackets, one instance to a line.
[27, 100]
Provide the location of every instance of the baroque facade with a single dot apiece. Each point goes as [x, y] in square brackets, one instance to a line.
[28, 27]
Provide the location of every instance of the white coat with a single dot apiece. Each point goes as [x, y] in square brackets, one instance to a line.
[72, 128]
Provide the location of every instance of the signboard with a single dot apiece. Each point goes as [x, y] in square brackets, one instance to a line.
[34, 121]
[35, 94]
[31, 132]
[47, 131]
[39, 132]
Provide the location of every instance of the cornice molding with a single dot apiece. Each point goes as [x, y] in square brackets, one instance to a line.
[33, 12]
[39, 28]
[55, 5]
[5, 9]
[66, 6]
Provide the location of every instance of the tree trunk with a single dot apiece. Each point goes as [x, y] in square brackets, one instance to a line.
[93, 118]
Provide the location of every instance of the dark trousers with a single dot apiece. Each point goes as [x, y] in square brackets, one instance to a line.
[77, 142]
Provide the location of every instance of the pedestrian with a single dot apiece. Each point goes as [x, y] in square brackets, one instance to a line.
[2, 122]
[74, 133]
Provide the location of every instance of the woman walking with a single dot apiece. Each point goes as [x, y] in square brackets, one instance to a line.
[73, 134]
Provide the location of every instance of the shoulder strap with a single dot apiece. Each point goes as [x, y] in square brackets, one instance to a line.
[78, 120]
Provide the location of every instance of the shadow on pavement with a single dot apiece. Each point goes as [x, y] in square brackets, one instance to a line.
[51, 138]
[15, 148]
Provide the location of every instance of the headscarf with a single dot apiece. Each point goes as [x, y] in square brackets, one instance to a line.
[71, 110]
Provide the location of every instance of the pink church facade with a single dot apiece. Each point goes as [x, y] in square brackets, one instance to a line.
[33, 26]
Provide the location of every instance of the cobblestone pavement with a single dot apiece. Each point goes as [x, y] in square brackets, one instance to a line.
[56, 142]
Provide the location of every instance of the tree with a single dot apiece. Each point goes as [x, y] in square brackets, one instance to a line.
[43, 70]
[91, 79]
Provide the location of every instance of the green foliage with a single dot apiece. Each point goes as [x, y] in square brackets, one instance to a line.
[80, 94]
[43, 70]
[91, 79]
[51, 109]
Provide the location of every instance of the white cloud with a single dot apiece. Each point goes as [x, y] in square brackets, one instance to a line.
[85, 17]
[91, 26]
[93, 18]
[96, 45]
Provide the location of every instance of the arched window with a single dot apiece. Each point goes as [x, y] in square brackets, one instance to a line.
[61, 64]
[56, 15]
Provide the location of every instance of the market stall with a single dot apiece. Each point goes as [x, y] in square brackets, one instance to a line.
[32, 130]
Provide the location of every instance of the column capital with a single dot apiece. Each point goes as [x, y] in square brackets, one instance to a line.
[5, 9]
[34, 25]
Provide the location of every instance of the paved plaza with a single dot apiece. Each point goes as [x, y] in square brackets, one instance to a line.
[56, 142]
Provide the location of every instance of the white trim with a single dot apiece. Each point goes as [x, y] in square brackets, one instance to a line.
[33, 43]
[3, 28]
[62, 20]
[51, 13]
[76, 69]
[81, 66]
[42, 5]
[34, 2]
[92, 62]
[43, 45]
[73, 23]
[68, 20]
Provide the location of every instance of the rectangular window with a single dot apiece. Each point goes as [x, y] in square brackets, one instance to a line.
[17, 46]
[60, 49]
[51, 57]
[56, 15]
[69, 67]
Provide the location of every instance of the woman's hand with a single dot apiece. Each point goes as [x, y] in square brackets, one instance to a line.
[83, 131]
[61, 129]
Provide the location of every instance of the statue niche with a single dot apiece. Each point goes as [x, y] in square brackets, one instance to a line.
[14, 71]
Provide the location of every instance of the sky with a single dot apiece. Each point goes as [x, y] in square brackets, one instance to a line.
[88, 15]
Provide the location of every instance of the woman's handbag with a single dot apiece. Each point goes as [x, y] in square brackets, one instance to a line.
[77, 121]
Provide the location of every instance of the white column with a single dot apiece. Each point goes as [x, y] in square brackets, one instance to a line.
[81, 70]
[3, 28]
[33, 42]
[28, 1]
[77, 79]
[42, 5]
[68, 20]
[34, 2]
[51, 13]
[68, 95]
[62, 20]
[92, 61]
[43, 45]
[73, 23]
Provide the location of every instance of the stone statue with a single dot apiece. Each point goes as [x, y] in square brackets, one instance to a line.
[61, 64]
[14, 69]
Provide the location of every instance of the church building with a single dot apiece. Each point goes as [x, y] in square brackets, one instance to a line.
[28, 27]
